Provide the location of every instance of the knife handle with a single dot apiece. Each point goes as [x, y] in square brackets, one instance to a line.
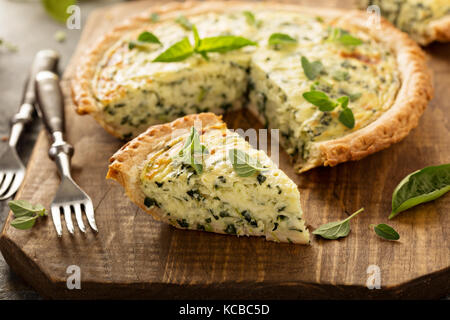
[50, 101]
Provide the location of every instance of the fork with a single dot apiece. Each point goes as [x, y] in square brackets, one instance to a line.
[69, 197]
[12, 170]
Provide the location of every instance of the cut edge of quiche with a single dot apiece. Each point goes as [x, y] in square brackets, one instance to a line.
[392, 126]
[217, 199]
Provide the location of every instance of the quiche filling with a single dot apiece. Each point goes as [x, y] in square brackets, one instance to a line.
[411, 16]
[133, 92]
[264, 203]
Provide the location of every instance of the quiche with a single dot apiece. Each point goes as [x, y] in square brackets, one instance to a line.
[424, 20]
[335, 89]
[218, 193]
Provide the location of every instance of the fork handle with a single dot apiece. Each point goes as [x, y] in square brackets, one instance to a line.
[51, 105]
[44, 60]
[50, 101]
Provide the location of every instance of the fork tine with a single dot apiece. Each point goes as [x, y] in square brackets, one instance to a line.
[56, 215]
[80, 223]
[68, 218]
[5, 185]
[14, 186]
[89, 208]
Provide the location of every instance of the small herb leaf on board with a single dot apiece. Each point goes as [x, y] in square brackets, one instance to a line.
[385, 231]
[243, 164]
[336, 229]
[420, 186]
[177, 52]
[25, 213]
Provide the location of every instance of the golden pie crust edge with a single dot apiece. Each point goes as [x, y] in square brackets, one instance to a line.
[392, 126]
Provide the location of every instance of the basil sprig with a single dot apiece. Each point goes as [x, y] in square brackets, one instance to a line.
[337, 229]
[143, 39]
[251, 19]
[25, 213]
[420, 186]
[385, 231]
[183, 49]
[193, 151]
[281, 38]
[243, 164]
[343, 37]
[325, 104]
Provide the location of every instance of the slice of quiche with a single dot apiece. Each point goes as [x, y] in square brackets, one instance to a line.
[424, 20]
[194, 173]
[337, 89]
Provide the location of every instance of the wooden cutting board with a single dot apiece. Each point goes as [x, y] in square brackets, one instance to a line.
[133, 256]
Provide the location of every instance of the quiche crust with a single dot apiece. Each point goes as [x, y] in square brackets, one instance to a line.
[392, 126]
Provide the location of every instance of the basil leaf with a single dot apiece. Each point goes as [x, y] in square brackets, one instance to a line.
[184, 22]
[196, 37]
[311, 69]
[148, 37]
[347, 118]
[280, 38]
[320, 99]
[421, 186]
[154, 17]
[250, 17]
[24, 222]
[193, 151]
[243, 164]
[57, 9]
[22, 208]
[343, 37]
[337, 229]
[223, 44]
[177, 52]
[343, 101]
[341, 75]
[385, 231]
[349, 40]
[355, 96]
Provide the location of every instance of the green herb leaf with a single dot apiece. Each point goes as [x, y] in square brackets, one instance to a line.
[355, 96]
[320, 99]
[184, 22]
[148, 37]
[385, 231]
[57, 9]
[337, 229]
[177, 52]
[22, 208]
[250, 17]
[421, 186]
[343, 37]
[341, 75]
[280, 38]
[193, 151]
[347, 118]
[223, 44]
[343, 101]
[154, 17]
[24, 222]
[243, 164]
[311, 69]
[196, 37]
